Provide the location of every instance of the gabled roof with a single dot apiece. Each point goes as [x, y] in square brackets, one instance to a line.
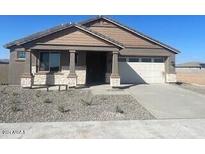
[132, 31]
[61, 27]
[96, 34]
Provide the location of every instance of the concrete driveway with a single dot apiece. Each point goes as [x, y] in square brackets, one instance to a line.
[180, 128]
[166, 101]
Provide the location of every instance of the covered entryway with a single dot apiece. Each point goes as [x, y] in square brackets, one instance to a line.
[95, 67]
[139, 70]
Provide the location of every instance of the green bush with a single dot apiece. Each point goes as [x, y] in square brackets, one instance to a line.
[48, 101]
[3, 91]
[62, 109]
[15, 94]
[16, 108]
[87, 103]
[119, 110]
[38, 93]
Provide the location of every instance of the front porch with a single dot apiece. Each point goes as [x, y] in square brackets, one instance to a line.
[70, 66]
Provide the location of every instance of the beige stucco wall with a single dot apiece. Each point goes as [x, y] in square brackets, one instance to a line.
[16, 68]
[4, 68]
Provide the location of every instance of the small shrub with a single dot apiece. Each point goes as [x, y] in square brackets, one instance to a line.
[48, 101]
[119, 110]
[62, 109]
[16, 108]
[15, 101]
[38, 93]
[15, 94]
[104, 98]
[87, 103]
[3, 91]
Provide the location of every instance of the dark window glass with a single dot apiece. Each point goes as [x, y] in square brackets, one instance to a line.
[49, 61]
[76, 58]
[133, 59]
[122, 59]
[44, 61]
[54, 61]
[146, 59]
[159, 60]
[21, 55]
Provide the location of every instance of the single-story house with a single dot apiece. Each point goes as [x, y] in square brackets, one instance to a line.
[98, 50]
[191, 65]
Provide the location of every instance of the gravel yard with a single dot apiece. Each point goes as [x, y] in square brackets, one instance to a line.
[25, 105]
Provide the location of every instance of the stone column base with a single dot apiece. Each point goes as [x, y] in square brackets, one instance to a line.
[171, 78]
[72, 81]
[115, 81]
[26, 82]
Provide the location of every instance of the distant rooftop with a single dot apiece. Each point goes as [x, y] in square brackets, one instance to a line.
[191, 64]
[4, 61]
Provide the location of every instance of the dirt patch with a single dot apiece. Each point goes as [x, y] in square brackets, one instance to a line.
[191, 77]
[195, 88]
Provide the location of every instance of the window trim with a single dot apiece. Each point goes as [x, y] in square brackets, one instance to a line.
[49, 52]
[17, 56]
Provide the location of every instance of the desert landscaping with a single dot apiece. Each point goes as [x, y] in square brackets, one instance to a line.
[26, 105]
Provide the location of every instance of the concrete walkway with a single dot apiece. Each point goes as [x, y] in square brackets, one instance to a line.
[108, 129]
[106, 89]
[166, 101]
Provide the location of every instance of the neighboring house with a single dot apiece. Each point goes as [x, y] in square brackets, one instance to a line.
[4, 67]
[191, 72]
[99, 50]
[190, 65]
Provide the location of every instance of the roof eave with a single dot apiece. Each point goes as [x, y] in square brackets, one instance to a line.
[17, 43]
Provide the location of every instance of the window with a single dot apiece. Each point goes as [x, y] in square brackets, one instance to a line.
[146, 59]
[133, 59]
[159, 60]
[122, 59]
[49, 61]
[54, 62]
[21, 55]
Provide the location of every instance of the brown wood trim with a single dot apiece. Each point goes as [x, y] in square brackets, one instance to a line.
[67, 48]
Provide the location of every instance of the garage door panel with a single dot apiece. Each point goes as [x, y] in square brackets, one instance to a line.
[141, 72]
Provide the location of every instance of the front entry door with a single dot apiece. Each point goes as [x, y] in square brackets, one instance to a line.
[96, 67]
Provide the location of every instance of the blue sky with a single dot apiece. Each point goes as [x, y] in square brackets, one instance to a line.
[186, 33]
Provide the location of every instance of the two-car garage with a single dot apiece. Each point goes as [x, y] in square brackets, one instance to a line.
[142, 69]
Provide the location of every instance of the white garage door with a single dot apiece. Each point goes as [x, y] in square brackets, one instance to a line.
[142, 70]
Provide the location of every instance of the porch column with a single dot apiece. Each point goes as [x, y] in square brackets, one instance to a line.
[115, 78]
[27, 77]
[170, 74]
[72, 77]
